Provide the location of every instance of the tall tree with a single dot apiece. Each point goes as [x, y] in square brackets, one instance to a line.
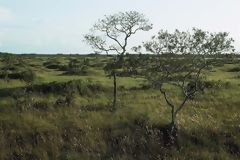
[112, 33]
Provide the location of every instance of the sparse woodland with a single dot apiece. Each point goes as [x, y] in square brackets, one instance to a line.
[175, 96]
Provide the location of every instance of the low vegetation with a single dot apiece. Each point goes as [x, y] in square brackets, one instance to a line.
[70, 117]
[181, 102]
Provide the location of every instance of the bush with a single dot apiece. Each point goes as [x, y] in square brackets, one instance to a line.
[11, 75]
[237, 77]
[77, 68]
[65, 88]
[235, 69]
[9, 68]
[55, 65]
[77, 71]
[28, 76]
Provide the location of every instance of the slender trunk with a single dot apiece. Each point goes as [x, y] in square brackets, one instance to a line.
[172, 132]
[173, 116]
[114, 89]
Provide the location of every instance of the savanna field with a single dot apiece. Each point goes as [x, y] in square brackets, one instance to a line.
[59, 107]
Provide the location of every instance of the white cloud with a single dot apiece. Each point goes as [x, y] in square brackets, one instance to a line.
[6, 14]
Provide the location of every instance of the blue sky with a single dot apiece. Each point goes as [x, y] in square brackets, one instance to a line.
[57, 26]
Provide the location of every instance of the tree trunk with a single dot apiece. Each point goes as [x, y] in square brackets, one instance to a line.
[172, 132]
[114, 89]
[173, 117]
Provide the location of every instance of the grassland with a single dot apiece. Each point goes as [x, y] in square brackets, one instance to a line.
[38, 125]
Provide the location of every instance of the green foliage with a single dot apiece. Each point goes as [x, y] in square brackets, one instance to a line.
[64, 88]
[235, 69]
[77, 68]
[185, 72]
[116, 30]
[28, 76]
[71, 118]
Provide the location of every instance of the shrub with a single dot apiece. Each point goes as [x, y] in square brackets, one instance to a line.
[237, 77]
[235, 69]
[10, 75]
[71, 87]
[28, 76]
[55, 65]
[77, 71]
[10, 68]
[77, 68]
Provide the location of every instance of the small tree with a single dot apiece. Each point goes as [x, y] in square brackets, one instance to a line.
[180, 63]
[111, 34]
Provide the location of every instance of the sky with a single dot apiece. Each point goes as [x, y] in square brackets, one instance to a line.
[58, 26]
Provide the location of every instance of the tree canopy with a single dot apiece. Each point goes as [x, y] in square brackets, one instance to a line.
[113, 32]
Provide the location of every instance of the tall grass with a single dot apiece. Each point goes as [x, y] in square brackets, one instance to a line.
[88, 129]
